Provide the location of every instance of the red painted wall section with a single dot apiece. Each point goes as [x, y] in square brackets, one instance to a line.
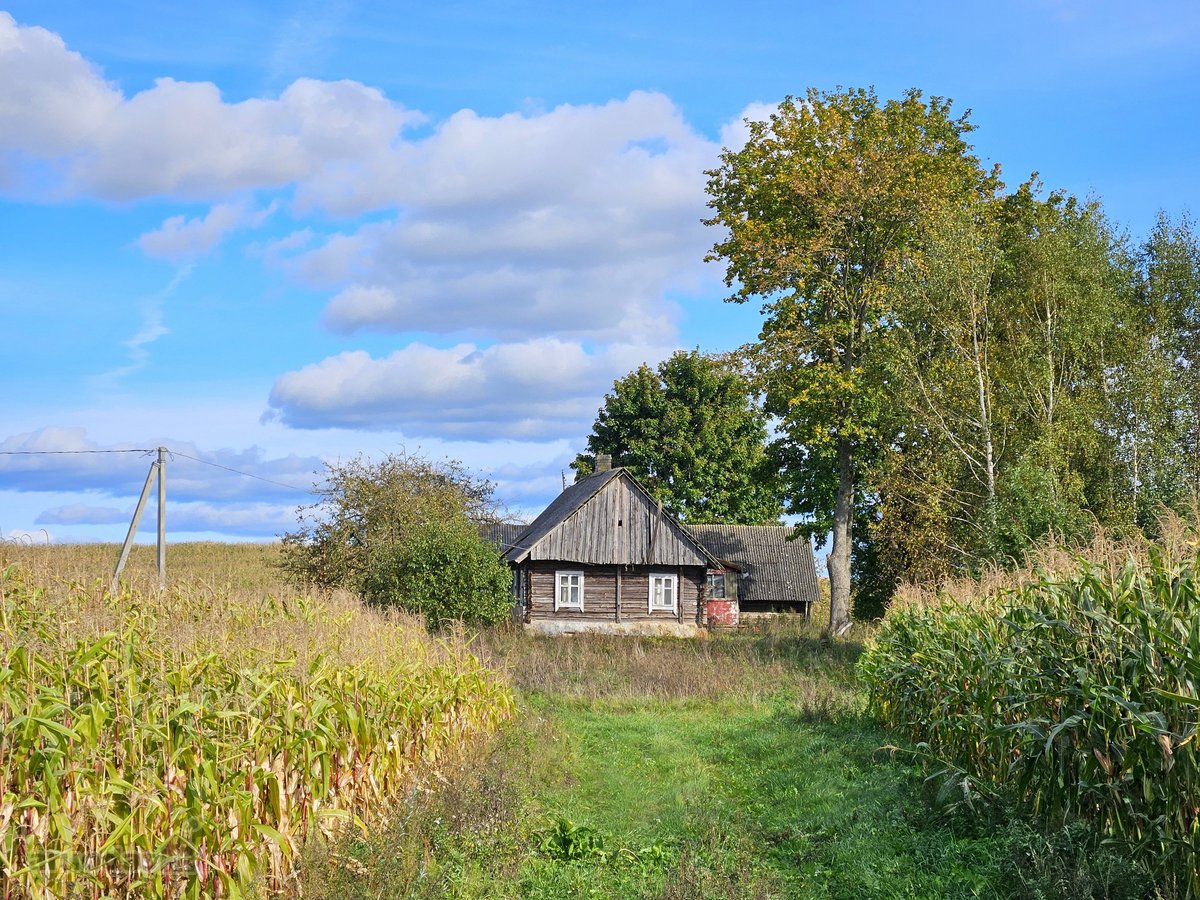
[722, 613]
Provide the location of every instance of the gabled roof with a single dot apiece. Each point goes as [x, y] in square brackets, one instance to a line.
[560, 509]
[599, 524]
[774, 569]
[501, 535]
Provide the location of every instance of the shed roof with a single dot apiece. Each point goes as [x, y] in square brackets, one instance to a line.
[775, 570]
[501, 535]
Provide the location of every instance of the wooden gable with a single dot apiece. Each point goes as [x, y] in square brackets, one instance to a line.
[617, 523]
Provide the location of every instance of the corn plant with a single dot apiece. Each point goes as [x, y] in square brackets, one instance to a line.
[168, 762]
[1077, 694]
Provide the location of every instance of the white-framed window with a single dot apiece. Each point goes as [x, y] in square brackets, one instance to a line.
[664, 593]
[568, 590]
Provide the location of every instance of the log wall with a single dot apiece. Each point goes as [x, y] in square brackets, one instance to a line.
[600, 592]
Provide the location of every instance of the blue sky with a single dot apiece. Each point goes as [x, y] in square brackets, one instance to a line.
[267, 235]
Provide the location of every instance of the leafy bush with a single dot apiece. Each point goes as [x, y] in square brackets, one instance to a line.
[1078, 696]
[443, 570]
[403, 532]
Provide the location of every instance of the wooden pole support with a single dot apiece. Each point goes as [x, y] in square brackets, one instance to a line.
[133, 525]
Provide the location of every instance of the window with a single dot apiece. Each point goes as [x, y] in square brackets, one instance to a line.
[568, 593]
[663, 593]
[716, 585]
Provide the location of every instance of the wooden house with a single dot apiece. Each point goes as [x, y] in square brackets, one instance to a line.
[604, 556]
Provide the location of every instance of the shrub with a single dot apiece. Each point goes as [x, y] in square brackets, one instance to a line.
[403, 532]
[443, 570]
[366, 506]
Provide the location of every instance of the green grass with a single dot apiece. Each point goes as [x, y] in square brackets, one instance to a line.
[739, 767]
[749, 801]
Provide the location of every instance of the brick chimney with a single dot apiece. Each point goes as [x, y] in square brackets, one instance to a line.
[603, 462]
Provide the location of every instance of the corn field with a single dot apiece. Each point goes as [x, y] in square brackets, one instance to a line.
[1077, 694]
[188, 743]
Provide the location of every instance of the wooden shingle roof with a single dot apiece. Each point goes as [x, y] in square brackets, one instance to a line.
[774, 570]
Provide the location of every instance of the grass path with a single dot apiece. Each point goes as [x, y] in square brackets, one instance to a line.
[740, 767]
[744, 801]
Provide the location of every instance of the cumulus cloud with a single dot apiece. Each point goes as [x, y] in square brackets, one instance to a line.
[576, 221]
[180, 238]
[546, 387]
[54, 101]
[580, 222]
[735, 134]
[177, 138]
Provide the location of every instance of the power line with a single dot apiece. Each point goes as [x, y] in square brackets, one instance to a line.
[65, 452]
[206, 462]
[240, 472]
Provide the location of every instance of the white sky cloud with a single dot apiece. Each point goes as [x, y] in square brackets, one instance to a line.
[735, 134]
[576, 221]
[255, 520]
[177, 138]
[67, 460]
[180, 238]
[548, 243]
[54, 101]
[545, 387]
[82, 495]
[84, 514]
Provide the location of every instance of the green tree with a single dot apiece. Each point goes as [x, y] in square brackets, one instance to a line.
[1169, 292]
[1069, 332]
[827, 204]
[402, 531]
[1026, 381]
[691, 432]
[937, 477]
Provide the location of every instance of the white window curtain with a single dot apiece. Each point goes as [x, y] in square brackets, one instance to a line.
[664, 593]
[569, 591]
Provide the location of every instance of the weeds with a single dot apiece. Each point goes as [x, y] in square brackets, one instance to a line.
[774, 659]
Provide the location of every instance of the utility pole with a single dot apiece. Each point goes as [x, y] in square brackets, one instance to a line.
[157, 468]
[162, 518]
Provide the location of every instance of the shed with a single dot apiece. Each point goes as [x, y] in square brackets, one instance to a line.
[773, 573]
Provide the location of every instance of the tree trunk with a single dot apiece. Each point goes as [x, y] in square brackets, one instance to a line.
[985, 427]
[838, 560]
